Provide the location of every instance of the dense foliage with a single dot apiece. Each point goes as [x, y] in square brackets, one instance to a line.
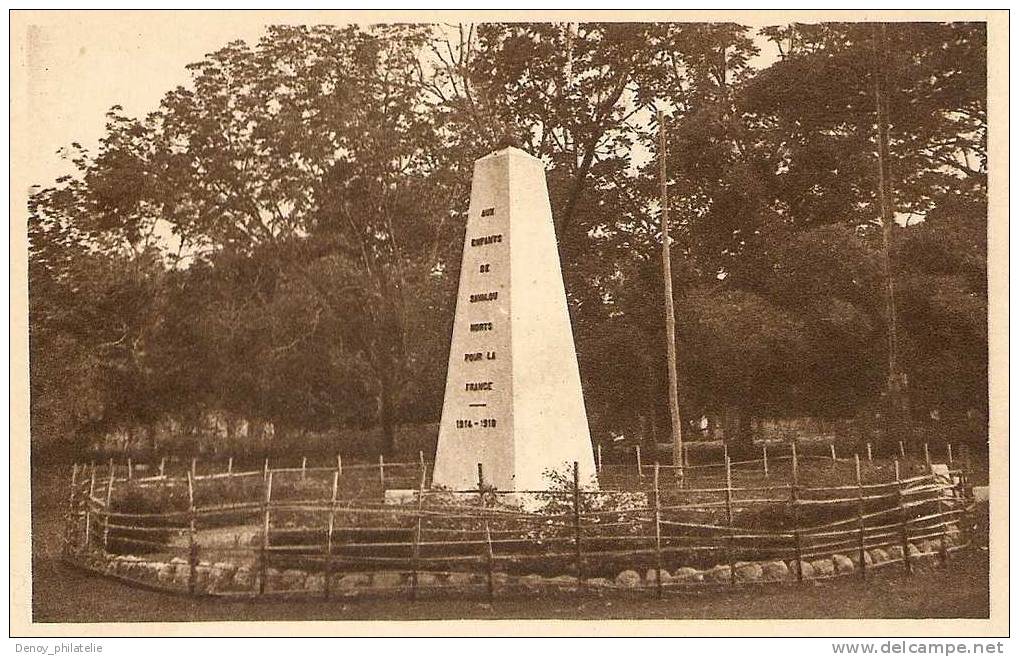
[279, 241]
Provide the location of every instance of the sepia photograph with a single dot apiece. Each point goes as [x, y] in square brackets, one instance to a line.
[561, 317]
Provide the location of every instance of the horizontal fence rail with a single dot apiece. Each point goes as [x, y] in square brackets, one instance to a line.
[359, 528]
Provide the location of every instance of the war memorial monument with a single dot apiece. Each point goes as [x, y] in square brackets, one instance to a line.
[513, 400]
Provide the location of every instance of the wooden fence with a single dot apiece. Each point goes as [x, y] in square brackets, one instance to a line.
[328, 531]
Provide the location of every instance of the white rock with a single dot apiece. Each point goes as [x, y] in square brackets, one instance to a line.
[775, 571]
[628, 578]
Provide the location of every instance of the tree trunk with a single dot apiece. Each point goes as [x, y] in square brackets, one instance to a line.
[386, 419]
[740, 440]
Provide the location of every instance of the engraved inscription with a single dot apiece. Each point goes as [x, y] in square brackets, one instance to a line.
[476, 386]
[487, 239]
[488, 212]
[486, 296]
[485, 423]
[481, 326]
[472, 357]
[484, 269]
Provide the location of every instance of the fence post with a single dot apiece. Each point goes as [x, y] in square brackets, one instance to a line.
[382, 472]
[192, 543]
[417, 536]
[950, 460]
[728, 519]
[106, 514]
[870, 456]
[903, 526]
[640, 472]
[860, 521]
[194, 466]
[966, 493]
[329, 535]
[658, 537]
[902, 449]
[339, 463]
[794, 500]
[162, 467]
[765, 450]
[69, 520]
[263, 562]
[304, 467]
[578, 550]
[88, 510]
[230, 466]
[130, 469]
[943, 549]
[927, 457]
[489, 556]
[831, 448]
[265, 469]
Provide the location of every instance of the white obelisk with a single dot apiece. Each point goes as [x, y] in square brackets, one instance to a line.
[513, 399]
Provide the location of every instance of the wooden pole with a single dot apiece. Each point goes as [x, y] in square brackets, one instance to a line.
[304, 467]
[192, 543]
[670, 311]
[902, 449]
[112, 469]
[417, 537]
[382, 472]
[329, 534]
[897, 416]
[943, 547]
[658, 537]
[903, 523]
[69, 521]
[795, 503]
[765, 451]
[579, 554]
[489, 555]
[728, 520]
[130, 469]
[640, 471]
[870, 455]
[194, 466]
[831, 447]
[265, 469]
[263, 562]
[106, 514]
[88, 510]
[927, 457]
[162, 467]
[230, 466]
[861, 525]
[339, 463]
[950, 460]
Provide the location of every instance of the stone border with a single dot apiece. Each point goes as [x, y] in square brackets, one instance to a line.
[229, 580]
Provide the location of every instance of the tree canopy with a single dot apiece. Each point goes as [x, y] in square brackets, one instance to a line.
[279, 240]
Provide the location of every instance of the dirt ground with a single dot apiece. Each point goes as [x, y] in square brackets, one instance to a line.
[64, 594]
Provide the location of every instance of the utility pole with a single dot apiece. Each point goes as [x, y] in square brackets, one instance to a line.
[896, 406]
[670, 311]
